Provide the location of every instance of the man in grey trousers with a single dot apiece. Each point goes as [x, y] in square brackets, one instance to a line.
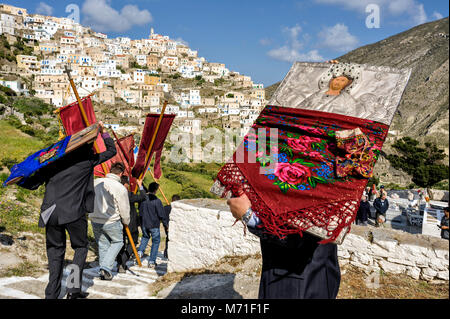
[111, 210]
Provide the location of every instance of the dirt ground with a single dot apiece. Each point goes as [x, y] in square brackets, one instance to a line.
[231, 278]
[238, 277]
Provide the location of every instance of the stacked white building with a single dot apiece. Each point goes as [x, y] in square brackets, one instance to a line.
[122, 69]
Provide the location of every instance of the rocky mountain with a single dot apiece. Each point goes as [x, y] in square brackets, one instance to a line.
[423, 112]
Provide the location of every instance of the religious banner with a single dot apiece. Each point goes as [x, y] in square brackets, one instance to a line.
[329, 122]
[125, 148]
[149, 129]
[21, 173]
[73, 122]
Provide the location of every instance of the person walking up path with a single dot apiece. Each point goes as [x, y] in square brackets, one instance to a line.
[111, 210]
[152, 214]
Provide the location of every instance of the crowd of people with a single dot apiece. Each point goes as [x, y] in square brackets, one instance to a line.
[115, 208]
[380, 203]
[292, 267]
[71, 192]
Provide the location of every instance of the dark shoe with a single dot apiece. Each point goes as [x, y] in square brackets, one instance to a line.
[77, 295]
[105, 275]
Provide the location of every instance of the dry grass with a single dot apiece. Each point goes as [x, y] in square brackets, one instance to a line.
[353, 286]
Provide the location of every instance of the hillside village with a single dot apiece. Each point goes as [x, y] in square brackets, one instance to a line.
[135, 76]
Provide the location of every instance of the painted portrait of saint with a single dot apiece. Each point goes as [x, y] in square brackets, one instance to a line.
[343, 88]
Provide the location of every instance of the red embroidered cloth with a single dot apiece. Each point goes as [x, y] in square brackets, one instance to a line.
[149, 127]
[293, 185]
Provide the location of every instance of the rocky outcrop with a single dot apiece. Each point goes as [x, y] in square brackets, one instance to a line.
[423, 111]
[202, 233]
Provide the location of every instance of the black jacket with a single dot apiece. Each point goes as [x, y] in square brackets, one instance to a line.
[381, 207]
[167, 210]
[444, 232]
[152, 212]
[135, 198]
[69, 182]
[363, 211]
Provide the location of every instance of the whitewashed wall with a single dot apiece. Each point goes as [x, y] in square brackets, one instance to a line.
[201, 233]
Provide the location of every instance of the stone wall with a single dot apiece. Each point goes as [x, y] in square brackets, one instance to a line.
[201, 233]
[418, 256]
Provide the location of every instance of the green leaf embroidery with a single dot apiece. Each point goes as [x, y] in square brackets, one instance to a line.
[320, 179]
[312, 182]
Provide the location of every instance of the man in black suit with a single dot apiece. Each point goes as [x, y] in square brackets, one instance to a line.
[293, 267]
[69, 196]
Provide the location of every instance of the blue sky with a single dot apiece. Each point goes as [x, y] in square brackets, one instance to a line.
[257, 38]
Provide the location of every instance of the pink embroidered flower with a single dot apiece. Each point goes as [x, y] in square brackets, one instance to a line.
[297, 144]
[314, 154]
[309, 139]
[292, 173]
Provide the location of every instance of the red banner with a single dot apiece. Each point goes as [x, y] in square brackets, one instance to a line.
[124, 147]
[73, 122]
[149, 128]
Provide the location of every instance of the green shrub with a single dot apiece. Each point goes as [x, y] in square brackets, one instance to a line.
[32, 106]
[8, 91]
[422, 163]
[8, 163]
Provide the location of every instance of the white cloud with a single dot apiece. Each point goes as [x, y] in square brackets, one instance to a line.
[414, 9]
[265, 41]
[44, 9]
[288, 54]
[437, 15]
[181, 41]
[337, 38]
[291, 51]
[99, 15]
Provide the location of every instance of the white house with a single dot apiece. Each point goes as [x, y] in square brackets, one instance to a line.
[89, 83]
[194, 97]
[138, 76]
[16, 86]
[6, 24]
[141, 59]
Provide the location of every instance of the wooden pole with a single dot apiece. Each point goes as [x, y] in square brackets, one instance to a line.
[83, 113]
[160, 189]
[142, 175]
[127, 230]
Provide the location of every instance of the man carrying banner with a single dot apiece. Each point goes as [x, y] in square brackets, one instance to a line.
[69, 195]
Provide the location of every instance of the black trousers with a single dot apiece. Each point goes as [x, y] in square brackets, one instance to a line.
[298, 268]
[56, 249]
[127, 250]
[167, 243]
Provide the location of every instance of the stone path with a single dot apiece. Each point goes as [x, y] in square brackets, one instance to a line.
[133, 284]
